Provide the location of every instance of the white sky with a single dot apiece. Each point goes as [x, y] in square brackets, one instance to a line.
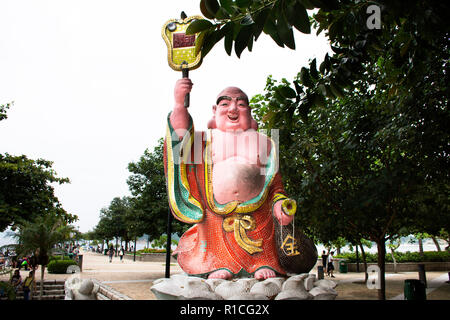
[92, 87]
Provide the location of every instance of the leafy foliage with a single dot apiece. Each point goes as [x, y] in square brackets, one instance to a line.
[150, 250]
[8, 290]
[242, 22]
[26, 191]
[25, 188]
[162, 241]
[364, 142]
[410, 33]
[113, 223]
[146, 211]
[40, 236]
[363, 167]
[3, 109]
[148, 187]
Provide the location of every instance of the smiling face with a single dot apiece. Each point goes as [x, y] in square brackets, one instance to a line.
[232, 111]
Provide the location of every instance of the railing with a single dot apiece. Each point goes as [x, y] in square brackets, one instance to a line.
[4, 270]
[107, 293]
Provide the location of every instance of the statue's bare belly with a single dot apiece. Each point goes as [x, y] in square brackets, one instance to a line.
[236, 179]
[238, 165]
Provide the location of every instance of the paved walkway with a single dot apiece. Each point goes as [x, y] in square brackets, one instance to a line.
[134, 279]
[351, 286]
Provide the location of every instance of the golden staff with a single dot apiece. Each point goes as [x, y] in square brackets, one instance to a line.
[181, 56]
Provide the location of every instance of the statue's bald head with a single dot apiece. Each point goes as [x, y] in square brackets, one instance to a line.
[234, 91]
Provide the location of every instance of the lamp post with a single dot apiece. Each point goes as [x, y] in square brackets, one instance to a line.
[169, 242]
[134, 253]
[134, 232]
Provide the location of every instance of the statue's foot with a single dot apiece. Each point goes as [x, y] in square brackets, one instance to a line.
[220, 274]
[264, 273]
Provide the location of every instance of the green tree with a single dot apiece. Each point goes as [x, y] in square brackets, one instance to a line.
[162, 242]
[26, 191]
[25, 188]
[148, 186]
[101, 232]
[393, 245]
[114, 220]
[368, 165]
[367, 128]
[40, 236]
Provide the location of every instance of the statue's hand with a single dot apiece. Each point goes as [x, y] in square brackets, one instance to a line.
[182, 87]
[282, 214]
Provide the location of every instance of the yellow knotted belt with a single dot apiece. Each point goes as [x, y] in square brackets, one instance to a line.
[240, 224]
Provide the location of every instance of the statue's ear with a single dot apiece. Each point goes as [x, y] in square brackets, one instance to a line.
[212, 122]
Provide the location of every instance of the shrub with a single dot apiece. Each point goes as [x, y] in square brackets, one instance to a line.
[58, 257]
[428, 256]
[7, 290]
[60, 266]
[152, 250]
[147, 250]
[351, 257]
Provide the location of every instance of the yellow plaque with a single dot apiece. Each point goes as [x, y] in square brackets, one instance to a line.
[181, 47]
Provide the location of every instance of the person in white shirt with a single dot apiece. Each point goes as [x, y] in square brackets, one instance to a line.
[330, 265]
[121, 253]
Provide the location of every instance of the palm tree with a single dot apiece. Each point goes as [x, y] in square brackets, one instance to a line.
[40, 236]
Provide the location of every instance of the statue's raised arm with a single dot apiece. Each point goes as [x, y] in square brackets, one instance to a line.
[179, 118]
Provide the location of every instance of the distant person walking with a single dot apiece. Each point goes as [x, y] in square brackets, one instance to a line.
[121, 253]
[34, 260]
[324, 260]
[75, 253]
[111, 253]
[330, 265]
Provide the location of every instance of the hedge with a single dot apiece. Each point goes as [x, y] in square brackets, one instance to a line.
[146, 250]
[428, 256]
[7, 290]
[151, 250]
[57, 257]
[59, 266]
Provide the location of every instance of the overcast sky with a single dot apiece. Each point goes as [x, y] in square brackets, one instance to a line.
[92, 87]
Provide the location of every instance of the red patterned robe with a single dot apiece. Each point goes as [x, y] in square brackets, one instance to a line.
[221, 238]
